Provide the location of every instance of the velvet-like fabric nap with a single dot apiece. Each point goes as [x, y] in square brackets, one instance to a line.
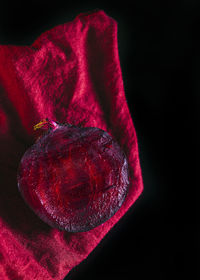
[72, 74]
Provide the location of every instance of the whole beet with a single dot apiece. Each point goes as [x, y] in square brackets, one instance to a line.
[73, 178]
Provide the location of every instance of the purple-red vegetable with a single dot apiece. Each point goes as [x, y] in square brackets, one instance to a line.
[73, 178]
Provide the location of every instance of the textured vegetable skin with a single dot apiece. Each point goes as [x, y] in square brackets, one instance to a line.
[74, 178]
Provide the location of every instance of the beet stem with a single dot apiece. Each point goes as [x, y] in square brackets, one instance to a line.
[46, 124]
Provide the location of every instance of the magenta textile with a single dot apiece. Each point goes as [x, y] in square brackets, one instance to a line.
[72, 74]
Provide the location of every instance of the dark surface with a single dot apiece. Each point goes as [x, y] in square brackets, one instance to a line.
[159, 53]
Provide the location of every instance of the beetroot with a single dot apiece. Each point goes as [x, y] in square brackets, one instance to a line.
[73, 178]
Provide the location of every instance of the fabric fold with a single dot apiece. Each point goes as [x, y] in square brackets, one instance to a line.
[72, 74]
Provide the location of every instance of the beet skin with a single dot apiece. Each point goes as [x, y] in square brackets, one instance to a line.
[74, 178]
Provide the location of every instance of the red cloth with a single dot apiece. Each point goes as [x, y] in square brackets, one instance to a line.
[71, 73]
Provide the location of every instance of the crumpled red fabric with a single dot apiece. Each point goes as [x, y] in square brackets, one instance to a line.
[72, 74]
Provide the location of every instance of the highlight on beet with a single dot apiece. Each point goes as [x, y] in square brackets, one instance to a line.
[74, 178]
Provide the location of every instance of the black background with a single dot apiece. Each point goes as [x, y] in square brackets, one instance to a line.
[159, 53]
